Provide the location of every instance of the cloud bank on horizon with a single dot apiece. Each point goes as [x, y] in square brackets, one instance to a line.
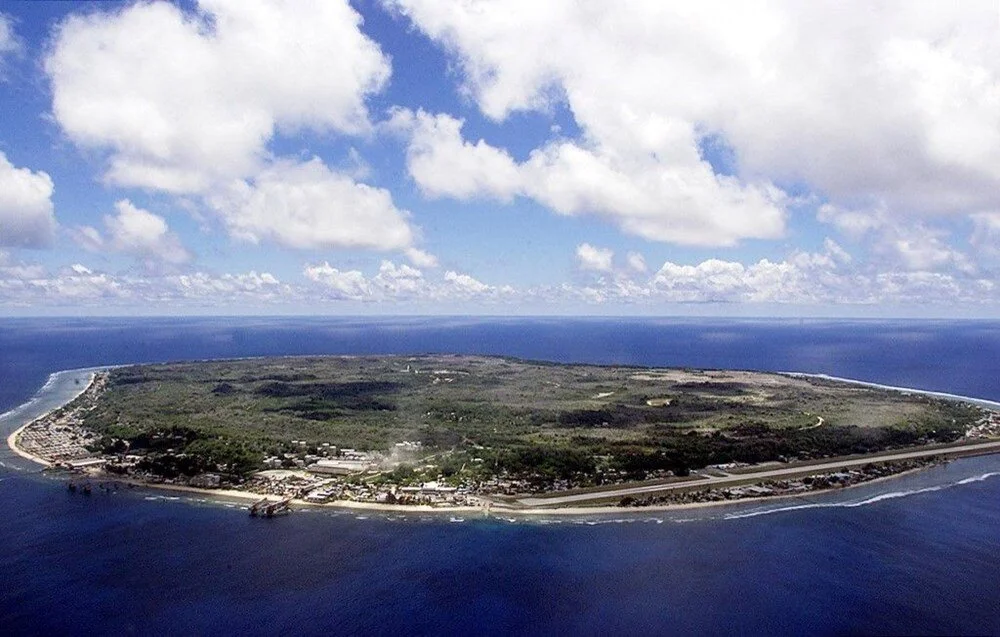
[501, 156]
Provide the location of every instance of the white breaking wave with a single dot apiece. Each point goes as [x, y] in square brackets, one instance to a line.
[910, 390]
[892, 495]
[981, 478]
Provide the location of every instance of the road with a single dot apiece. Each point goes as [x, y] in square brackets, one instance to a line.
[819, 423]
[783, 472]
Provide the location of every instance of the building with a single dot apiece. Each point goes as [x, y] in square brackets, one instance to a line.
[339, 467]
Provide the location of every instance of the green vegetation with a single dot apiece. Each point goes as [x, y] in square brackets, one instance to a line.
[481, 416]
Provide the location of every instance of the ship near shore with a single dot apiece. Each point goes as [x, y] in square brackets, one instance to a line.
[486, 433]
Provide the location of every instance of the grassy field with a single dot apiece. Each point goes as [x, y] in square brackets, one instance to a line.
[507, 414]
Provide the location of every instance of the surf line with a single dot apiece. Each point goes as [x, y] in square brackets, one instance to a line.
[875, 499]
[982, 402]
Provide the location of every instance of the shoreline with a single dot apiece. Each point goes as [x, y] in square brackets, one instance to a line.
[492, 509]
[978, 402]
[498, 511]
[12, 443]
[12, 438]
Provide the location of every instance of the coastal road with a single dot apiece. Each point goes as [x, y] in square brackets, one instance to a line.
[713, 482]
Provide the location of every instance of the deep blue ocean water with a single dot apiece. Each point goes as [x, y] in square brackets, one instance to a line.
[920, 554]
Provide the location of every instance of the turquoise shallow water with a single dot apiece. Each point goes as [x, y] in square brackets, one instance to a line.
[912, 555]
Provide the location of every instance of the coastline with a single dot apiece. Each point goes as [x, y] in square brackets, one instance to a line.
[500, 511]
[12, 443]
[12, 438]
[492, 509]
[979, 402]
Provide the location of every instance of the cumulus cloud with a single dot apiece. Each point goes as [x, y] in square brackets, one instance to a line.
[828, 277]
[399, 282]
[308, 205]
[74, 285]
[590, 258]
[445, 165]
[636, 262]
[465, 285]
[802, 277]
[921, 248]
[27, 285]
[195, 114]
[392, 282]
[420, 258]
[819, 279]
[656, 196]
[912, 245]
[201, 105]
[27, 219]
[902, 107]
[12, 270]
[227, 287]
[348, 285]
[136, 232]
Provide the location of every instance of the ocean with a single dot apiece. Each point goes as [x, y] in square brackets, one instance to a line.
[913, 555]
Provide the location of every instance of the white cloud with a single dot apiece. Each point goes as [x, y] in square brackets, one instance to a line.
[853, 223]
[663, 198]
[227, 287]
[636, 262]
[465, 285]
[200, 106]
[836, 253]
[88, 237]
[920, 248]
[8, 40]
[399, 283]
[136, 232]
[420, 258]
[818, 279]
[918, 287]
[444, 165]
[18, 271]
[712, 280]
[986, 232]
[392, 282]
[307, 205]
[802, 277]
[910, 244]
[590, 258]
[902, 107]
[348, 285]
[75, 285]
[26, 212]
[194, 114]
[680, 202]
[79, 286]
[827, 278]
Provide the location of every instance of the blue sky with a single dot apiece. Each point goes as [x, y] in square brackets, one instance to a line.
[507, 157]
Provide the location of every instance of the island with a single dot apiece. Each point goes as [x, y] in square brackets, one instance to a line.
[493, 433]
